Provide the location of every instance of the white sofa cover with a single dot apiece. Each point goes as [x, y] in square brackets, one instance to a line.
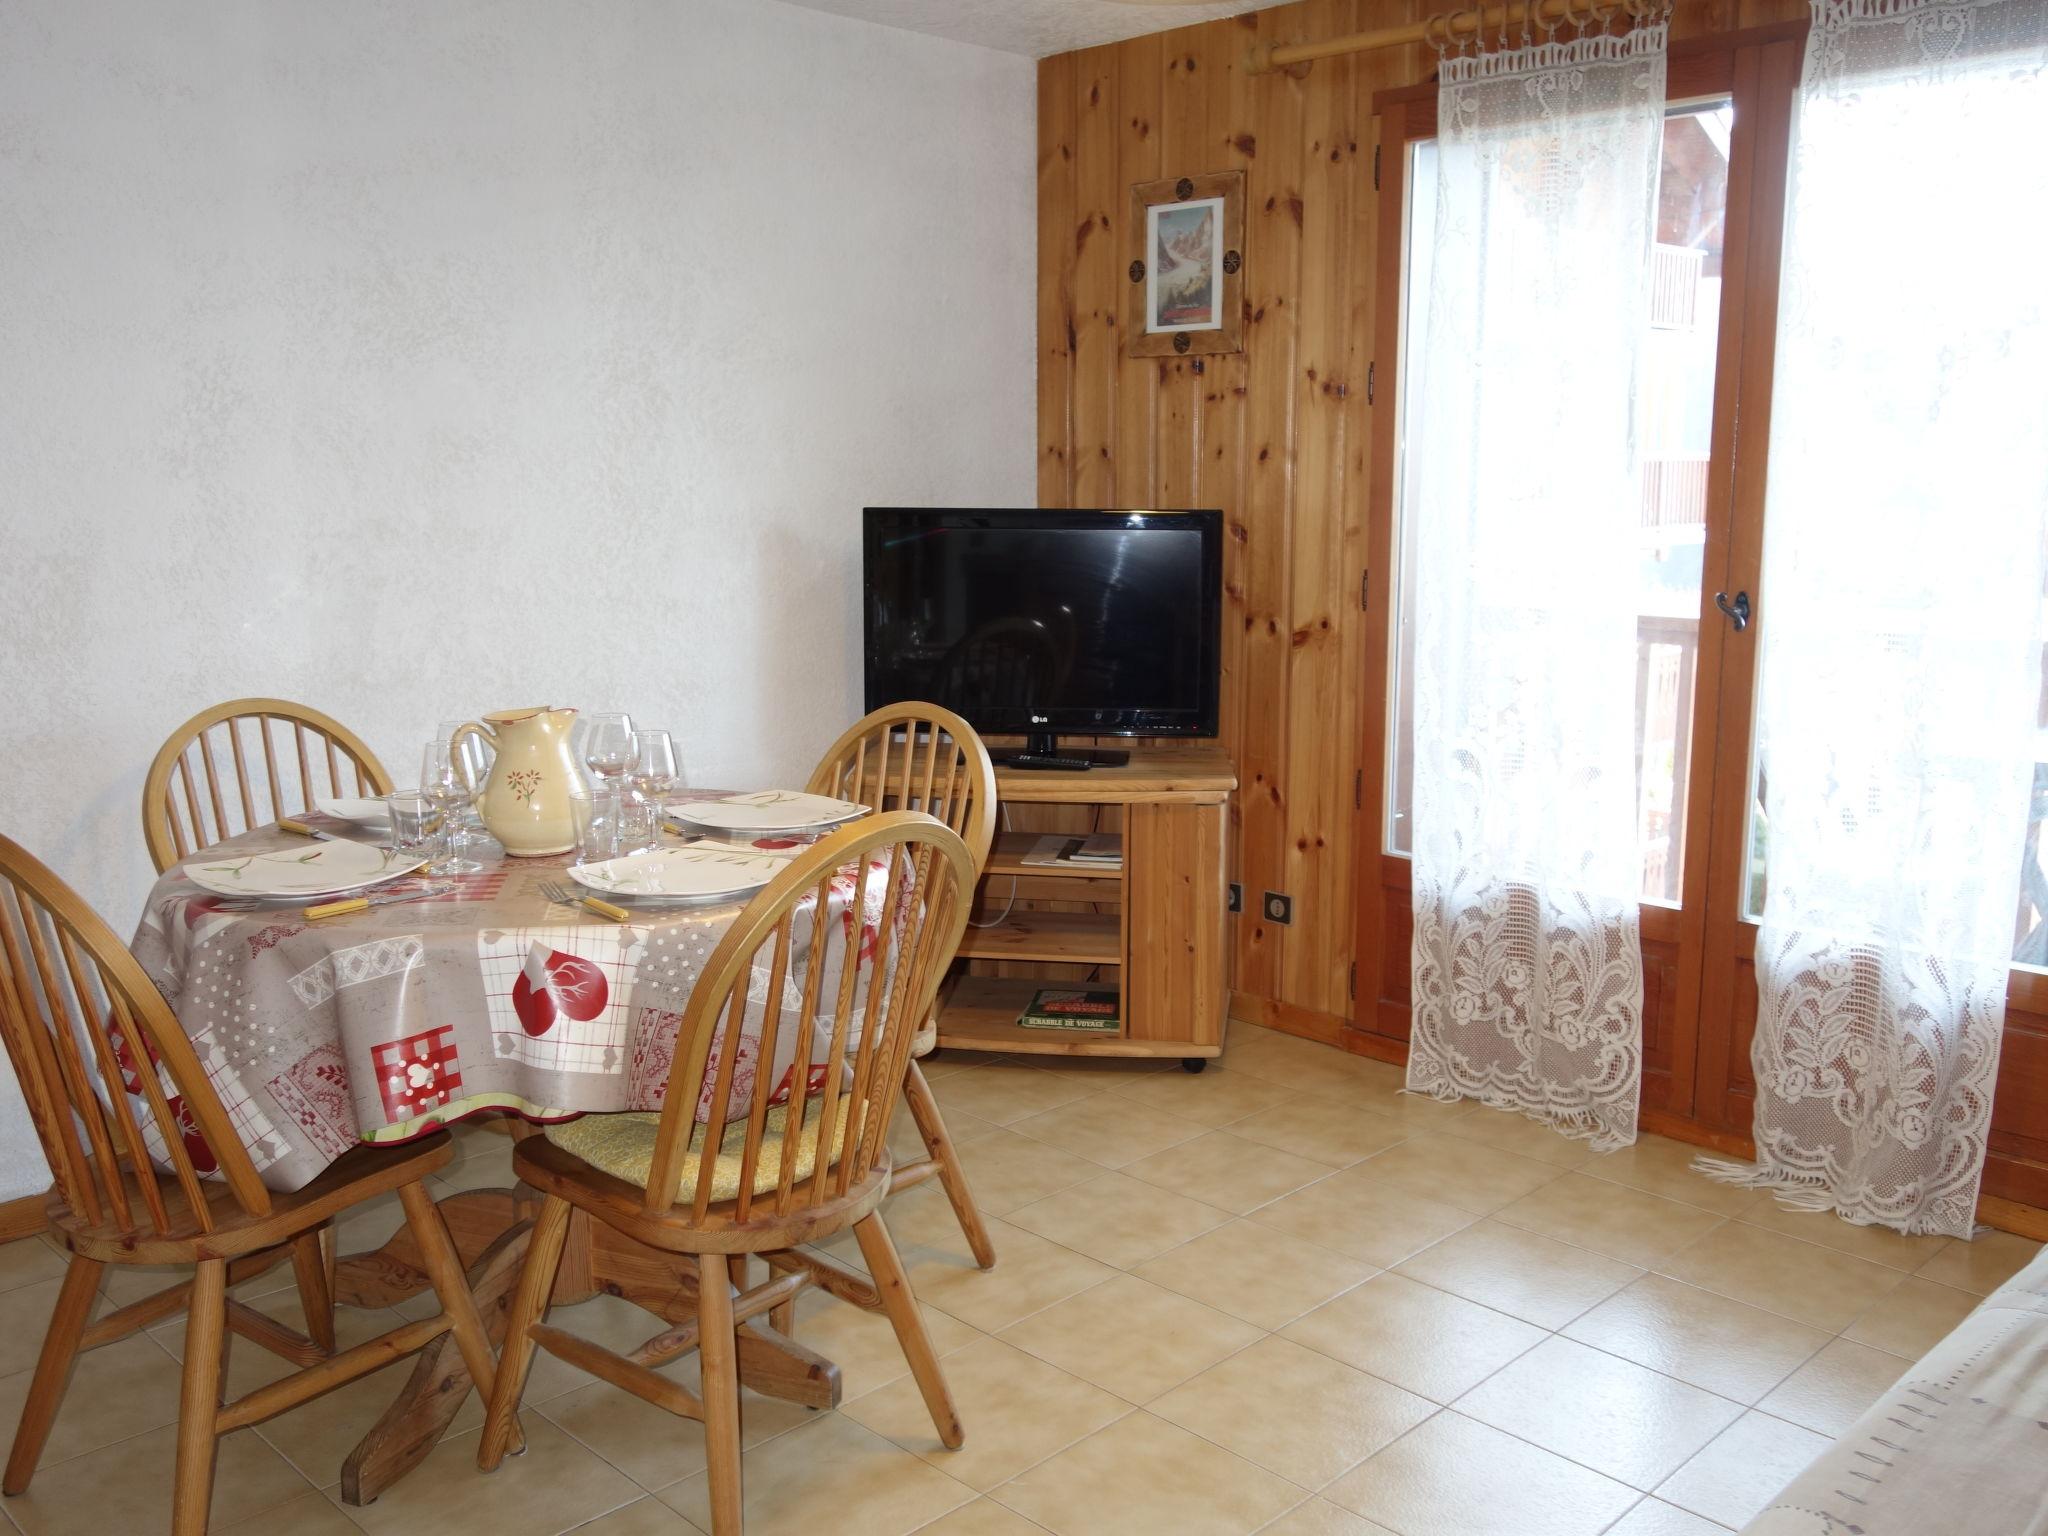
[1959, 1447]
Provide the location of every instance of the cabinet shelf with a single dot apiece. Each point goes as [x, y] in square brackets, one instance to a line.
[1007, 858]
[980, 1014]
[1078, 938]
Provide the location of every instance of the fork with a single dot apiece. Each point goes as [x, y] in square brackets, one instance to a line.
[562, 896]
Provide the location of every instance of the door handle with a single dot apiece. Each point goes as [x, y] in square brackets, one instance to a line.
[1737, 611]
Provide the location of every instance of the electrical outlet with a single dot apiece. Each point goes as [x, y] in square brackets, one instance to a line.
[1279, 908]
[1236, 902]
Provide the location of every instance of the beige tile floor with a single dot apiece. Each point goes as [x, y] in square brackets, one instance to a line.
[1276, 1297]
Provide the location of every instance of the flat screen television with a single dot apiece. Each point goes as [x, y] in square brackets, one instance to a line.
[1035, 623]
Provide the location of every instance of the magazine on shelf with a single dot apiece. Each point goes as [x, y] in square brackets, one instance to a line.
[1104, 850]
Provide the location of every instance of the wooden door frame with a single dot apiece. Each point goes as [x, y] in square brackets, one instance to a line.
[1775, 71]
[1728, 65]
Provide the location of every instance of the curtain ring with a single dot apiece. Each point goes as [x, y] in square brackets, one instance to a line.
[1548, 25]
[1453, 44]
[1441, 45]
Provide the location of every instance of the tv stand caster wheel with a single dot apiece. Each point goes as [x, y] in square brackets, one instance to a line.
[1193, 1063]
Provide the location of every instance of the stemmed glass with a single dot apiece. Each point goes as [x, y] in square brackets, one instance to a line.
[654, 776]
[476, 765]
[608, 752]
[445, 780]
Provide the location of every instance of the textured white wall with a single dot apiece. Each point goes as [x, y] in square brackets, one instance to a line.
[413, 360]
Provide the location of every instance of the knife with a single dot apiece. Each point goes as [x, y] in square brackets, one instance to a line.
[383, 899]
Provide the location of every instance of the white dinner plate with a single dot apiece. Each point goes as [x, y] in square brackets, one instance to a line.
[319, 869]
[363, 813]
[769, 810]
[681, 874]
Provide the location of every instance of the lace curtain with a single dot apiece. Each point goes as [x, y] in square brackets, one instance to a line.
[1523, 484]
[1900, 621]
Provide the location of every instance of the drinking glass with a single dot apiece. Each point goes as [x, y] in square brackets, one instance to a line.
[608, 752]
[412, 819]
[444, 780]
[595, 834]
[654, 777]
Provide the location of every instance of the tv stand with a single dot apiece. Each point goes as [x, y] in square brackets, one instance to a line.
[1042, 752]
[1151, 928]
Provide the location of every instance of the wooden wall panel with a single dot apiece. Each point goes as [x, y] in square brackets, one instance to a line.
[1184, 147]
[1141, 88]
[1056, 234]
[1315, 749]
[1220, 468]
[1097, 276]
[1273, 229]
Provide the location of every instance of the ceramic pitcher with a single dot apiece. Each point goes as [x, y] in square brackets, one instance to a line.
[535, 801]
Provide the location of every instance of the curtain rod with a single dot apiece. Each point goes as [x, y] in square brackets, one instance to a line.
[1436, 30]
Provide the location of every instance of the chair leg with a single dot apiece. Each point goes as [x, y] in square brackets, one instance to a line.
[924, 1109]
[720, 1387]
[886, 1269]
[536, 1280]
[316, 1297]
[444, 1268]
[53, 1371]
[199, 1401]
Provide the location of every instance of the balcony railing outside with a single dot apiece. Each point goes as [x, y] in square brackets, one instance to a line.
[1675, 286]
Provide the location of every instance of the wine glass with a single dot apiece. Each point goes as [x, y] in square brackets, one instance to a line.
[476, 767]
[444, 780]
[608, 753]
[654, 776]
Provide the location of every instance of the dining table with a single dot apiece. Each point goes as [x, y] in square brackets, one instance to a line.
[472, 995]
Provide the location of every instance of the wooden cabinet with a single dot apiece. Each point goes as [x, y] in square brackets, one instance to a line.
[1153, 928]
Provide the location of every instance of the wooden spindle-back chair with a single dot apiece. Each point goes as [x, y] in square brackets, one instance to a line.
[922, 757]
[757, 1177]
[118, 1096]
[245, 763]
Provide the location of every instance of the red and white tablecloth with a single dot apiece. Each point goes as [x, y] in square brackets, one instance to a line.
[375, 1026]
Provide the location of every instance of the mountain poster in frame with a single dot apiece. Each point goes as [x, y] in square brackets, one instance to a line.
[1187, 276]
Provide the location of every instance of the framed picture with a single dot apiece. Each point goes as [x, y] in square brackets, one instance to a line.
[1187, 276]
